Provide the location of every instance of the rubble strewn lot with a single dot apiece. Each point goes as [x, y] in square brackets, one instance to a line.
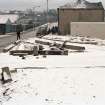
[74, 79]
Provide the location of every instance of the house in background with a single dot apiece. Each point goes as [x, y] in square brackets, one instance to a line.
[7, 23]
[79, 11]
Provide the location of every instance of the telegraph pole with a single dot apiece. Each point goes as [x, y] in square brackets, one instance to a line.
[34, 7]
[47, 13]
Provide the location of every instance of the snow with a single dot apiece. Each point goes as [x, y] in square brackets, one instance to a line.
[76, 79]
[50, 25]
[24, 46]
[4, 18]
[2, 36]
[75, 39]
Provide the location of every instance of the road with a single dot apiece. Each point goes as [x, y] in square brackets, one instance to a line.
[5, 41]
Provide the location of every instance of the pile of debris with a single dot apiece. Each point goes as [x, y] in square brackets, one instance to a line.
[41, 46]
[60, 44]
[73, 39]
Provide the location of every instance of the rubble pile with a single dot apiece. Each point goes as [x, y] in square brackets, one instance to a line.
[43, 46]
[22, 48]
[73, 39]
[60, 44]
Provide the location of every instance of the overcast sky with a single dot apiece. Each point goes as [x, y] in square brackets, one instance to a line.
[23, 4]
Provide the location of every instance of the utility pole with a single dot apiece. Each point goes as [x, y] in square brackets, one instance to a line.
[23, 24]
[47, 13]
[34, 7]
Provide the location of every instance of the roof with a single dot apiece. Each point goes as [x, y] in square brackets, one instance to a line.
[8, 18]
[83, 4]
[4, 20]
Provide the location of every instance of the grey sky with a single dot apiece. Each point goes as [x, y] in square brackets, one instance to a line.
[23, 4]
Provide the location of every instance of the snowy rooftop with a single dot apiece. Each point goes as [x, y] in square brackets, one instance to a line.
[8, 18]
[83, 4]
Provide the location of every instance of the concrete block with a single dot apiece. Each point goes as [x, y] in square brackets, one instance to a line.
[35, 50]
[6, 75]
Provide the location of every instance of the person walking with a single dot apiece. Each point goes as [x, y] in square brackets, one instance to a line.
[18, 35]
[18, 31]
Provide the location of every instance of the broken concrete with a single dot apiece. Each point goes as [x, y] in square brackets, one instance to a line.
[13, 71]
[67, 45]
[6, 75]
[22, 49]
[74, 47]
[35, 50]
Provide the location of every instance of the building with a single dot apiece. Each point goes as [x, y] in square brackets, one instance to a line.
[7, 23]
[79, 11]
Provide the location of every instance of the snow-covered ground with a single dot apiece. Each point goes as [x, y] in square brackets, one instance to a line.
[76, 79]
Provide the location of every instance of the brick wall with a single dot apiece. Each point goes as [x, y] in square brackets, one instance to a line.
[65, 16]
